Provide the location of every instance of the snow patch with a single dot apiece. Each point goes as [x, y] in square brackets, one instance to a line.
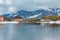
[35, 16]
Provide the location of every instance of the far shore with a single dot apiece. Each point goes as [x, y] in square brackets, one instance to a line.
[9, 22]
[51, 22]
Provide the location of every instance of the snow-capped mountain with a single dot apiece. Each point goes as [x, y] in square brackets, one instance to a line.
[35, 14]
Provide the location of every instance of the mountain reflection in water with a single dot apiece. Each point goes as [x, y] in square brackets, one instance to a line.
[29, 31]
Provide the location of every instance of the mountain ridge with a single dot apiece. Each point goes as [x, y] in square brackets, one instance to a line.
[35, 14]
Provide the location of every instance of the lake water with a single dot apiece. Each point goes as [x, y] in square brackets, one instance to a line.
[29, 31]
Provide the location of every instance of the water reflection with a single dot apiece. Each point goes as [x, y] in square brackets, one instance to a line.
[30, 32]
[1, 31]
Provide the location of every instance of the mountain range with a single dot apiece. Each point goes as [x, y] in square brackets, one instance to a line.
[35, 14]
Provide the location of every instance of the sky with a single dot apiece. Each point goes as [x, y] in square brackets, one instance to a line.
[10, 6]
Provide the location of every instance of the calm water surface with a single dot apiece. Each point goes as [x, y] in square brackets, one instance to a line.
[29, 32]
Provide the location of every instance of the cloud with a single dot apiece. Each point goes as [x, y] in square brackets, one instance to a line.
[9, 2]
[1, 2]
[28, 4]
[34, 4]
[42, 0]
[11, 9]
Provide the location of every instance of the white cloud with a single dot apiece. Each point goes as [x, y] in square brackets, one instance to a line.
[44, 7]
[11, 9]
[9, 2]
[1, 2]
[42, 0]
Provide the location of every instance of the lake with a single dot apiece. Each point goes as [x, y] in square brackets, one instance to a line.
[41, 31]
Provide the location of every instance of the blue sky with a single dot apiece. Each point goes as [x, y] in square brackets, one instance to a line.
[14, 5]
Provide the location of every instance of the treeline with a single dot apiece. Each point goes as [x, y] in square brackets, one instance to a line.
[32, 20]
[52, 17]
